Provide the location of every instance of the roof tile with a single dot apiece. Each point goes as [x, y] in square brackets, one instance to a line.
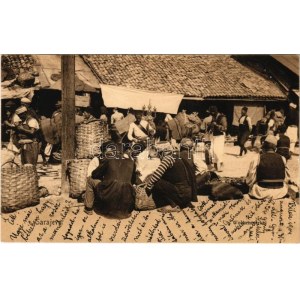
[204, 76]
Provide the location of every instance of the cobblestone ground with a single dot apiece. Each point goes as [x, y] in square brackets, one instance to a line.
[236, 167]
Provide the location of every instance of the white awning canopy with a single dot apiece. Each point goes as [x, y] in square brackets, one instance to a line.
[122, 97]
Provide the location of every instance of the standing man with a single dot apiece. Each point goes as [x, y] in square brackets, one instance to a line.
[245, 127]
[27, 103]
[28, 136]
[271, 122]
[116, 116]
[293, 122]
[218, 127]
[7, 125]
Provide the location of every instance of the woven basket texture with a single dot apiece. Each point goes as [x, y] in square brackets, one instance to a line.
[77, 169]
[19, 187]
[89, 138]
[142, 201]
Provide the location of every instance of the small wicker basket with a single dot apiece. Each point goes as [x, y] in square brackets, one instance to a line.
[142, 201]
[77, 170]
[89, 138]
[19, 187]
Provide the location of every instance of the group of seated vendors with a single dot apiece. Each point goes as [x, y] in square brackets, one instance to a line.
[172, 176]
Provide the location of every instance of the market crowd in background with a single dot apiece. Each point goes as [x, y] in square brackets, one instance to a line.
[161, 153]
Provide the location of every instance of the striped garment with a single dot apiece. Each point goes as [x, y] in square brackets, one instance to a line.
[166, 163]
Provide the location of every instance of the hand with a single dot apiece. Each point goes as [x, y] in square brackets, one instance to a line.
[8, 124]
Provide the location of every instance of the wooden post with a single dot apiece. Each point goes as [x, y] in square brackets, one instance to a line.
[68, 116]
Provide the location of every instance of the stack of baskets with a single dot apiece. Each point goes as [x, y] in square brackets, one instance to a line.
[89, 137]
[77, 169]
[19, 187]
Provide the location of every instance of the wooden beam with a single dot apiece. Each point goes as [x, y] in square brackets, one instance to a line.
[68, 116]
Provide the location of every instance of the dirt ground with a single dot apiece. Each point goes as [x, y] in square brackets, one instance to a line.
[62, 219]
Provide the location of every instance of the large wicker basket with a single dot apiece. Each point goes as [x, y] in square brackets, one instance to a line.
[19, 187]
[142, 201]
[89, 138]
[77, 169]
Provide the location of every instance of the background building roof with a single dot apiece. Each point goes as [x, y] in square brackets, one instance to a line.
[200, 76]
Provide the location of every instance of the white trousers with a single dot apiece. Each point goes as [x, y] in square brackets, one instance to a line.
[218, 143]
[261, 193]
[292, 133]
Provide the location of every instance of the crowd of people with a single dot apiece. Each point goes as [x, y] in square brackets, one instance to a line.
[173, 171]
[163, 154]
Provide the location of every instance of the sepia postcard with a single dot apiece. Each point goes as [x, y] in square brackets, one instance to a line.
[150, 148]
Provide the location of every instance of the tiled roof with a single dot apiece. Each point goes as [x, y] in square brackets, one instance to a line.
[17, 63]
[203, 76]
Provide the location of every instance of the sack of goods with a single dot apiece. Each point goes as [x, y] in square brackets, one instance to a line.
[19, 187]
[89, 138]
[142, 200]
[77, 171]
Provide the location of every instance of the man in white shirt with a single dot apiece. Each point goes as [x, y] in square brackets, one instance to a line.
[147, 163]
[140, 130]
[116, 116]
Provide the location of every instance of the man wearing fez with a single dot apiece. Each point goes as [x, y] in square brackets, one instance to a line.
[268, 175]
[28, 133]
[27, 103]
[218, 128]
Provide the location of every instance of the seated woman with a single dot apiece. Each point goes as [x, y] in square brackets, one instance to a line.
[173, 183]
